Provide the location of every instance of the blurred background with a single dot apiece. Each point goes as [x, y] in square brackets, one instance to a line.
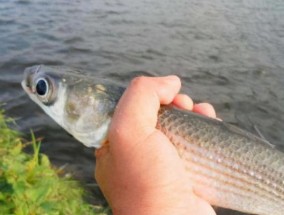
[229, 53]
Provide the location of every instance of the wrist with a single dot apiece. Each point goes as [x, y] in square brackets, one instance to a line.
[152, 210]
[165, 205]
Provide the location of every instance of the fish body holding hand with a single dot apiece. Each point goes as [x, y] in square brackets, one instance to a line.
[228, 167]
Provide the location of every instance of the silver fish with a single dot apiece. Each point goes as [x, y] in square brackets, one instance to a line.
[229, 167]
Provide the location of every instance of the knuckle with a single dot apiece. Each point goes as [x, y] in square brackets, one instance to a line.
[139, 82]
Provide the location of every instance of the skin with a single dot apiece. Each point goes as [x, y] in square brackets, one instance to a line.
[138, 169]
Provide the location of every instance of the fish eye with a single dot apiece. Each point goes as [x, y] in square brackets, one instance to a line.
[42, 87]
[45, 89]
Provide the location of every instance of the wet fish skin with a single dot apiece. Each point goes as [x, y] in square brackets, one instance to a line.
[81, 104]
[229, 167]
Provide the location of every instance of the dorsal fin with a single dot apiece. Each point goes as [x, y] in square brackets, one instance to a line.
[242, 132]
[262, 136]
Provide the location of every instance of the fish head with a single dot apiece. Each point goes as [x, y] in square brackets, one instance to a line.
[81, 104]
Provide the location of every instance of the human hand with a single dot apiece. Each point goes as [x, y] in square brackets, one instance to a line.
[138, 169]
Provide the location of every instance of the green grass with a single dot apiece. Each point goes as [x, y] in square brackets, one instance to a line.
[29, 185]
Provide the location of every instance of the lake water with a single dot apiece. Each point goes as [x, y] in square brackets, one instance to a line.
[227, 52]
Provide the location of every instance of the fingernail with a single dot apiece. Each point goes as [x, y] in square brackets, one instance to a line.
[172, 77]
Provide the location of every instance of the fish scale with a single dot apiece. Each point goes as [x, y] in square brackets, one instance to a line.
[227, 166]
[222, 162]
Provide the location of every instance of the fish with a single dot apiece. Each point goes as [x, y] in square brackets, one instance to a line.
[228, 167]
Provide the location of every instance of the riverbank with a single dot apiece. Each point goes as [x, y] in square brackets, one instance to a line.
[29, 184]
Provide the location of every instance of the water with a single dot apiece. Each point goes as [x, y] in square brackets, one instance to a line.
[229, 53]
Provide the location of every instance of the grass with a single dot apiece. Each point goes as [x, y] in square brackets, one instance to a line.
[29, 185]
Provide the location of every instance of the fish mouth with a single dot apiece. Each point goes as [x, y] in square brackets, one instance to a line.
[29, 73]
[26, 87]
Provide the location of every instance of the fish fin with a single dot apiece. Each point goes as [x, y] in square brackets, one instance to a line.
[262, 136]
[242, 132]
